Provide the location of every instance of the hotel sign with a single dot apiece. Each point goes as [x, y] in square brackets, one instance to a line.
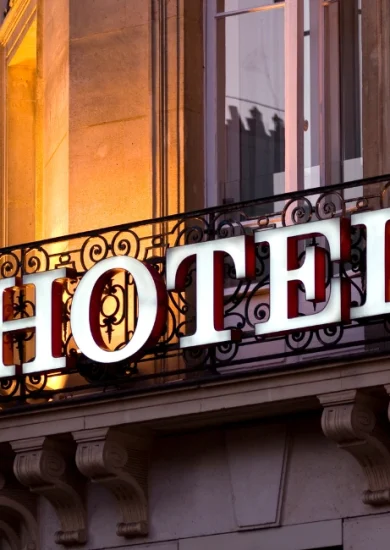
[286, 276]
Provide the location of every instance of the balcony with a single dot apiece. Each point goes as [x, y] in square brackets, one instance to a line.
[246, 301]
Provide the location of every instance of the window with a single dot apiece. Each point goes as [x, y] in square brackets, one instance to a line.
[283, 103]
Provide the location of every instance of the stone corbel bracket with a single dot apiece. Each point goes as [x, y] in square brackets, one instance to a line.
[118, 460]
[357, 423]
[44, 465]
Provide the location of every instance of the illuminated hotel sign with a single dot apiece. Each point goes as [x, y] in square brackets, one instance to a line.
[286, 275]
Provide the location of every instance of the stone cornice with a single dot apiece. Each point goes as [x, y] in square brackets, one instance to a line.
[175, 407]
[223, 400]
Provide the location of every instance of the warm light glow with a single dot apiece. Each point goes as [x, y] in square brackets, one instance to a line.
[26, 53]
[21, 140]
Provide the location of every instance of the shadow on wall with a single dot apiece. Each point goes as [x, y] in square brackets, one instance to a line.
[253, 156]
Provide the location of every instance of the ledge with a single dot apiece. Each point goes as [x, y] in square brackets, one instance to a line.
[264, 395]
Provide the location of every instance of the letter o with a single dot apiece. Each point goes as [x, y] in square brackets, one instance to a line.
[85, 310]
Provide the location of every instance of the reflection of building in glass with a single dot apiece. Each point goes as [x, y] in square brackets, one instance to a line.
[252, 87]
[261, 153]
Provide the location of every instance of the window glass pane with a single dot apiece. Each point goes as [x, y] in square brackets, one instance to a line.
[351, 86]
[251, 104]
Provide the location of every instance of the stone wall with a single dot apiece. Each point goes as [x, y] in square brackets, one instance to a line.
[118, 114]
[265, 485]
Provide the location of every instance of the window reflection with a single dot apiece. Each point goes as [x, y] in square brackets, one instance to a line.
[252, 149]
[252, 108]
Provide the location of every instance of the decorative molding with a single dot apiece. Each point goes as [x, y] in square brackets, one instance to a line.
[17, 21]
[356, 422]
[257, 456]
[14, 512]
[160, 114]
[43, 465]
[18, 524]
[118, 461]
[11, 536]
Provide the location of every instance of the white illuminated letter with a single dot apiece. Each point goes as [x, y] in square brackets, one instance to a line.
[46, 321]
[377, 263]
[209, 283]
[85, 310]
[285, 276]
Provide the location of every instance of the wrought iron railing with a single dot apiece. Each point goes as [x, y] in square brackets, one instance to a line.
[246, 301]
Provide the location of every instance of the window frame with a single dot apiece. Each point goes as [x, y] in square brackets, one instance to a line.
[325, 17]
[293, 28]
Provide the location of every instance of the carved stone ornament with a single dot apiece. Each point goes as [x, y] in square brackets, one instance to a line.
[44, 465]
[10, 535]
[17, 509]
[118, 460]
[357, 423]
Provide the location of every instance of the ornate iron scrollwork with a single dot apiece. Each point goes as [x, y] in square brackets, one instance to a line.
[246, 301]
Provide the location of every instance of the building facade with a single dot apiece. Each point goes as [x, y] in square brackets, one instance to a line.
[135, 128]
